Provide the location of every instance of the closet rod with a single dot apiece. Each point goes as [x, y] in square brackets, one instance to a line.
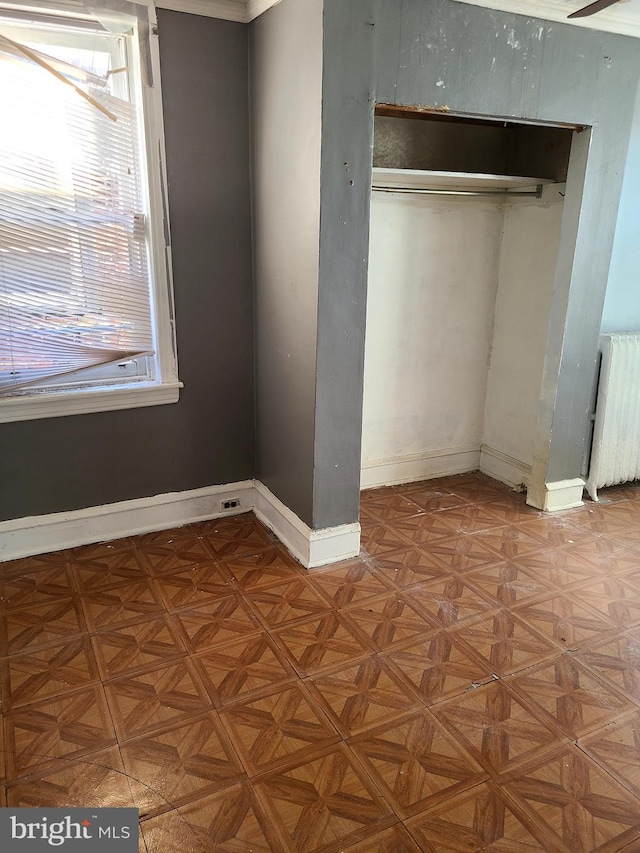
[537, 193]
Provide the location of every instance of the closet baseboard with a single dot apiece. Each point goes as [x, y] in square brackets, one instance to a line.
[559, 495]
[507, 469]
[419, 466]
[310, 547]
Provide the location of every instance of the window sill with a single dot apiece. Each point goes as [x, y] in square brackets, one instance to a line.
[79, 402]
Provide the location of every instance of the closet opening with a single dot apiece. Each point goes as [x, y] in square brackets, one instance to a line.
[466, 217]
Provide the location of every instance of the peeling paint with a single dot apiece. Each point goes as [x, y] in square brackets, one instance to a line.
[513, 41]
[552, 87]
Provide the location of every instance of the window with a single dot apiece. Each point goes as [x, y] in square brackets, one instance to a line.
[85, 300]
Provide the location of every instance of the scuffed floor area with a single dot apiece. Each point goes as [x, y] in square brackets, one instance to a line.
[470, 682]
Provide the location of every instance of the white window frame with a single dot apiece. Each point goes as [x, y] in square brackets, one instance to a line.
[165, 385]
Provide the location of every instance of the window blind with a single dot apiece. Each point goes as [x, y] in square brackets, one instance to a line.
[74, 278]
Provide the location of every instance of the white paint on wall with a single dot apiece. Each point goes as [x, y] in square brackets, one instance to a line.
[420, 466]
[457, 316]
[433, 273]
[523, 302]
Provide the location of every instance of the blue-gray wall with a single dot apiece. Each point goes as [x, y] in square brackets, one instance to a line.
[207, 437]
[622, 302]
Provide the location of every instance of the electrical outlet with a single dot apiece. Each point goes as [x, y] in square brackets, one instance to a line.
[230, 503]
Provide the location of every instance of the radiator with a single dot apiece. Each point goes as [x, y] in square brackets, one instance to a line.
[615, 452]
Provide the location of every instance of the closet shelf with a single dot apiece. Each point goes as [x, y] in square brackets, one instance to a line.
[422, 180]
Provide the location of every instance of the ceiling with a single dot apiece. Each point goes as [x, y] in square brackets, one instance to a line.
[623, 17]
[229, 10]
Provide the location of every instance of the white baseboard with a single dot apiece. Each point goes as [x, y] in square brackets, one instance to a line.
[507, 469]
[309, 547]
[563, 494]
[40, 534]
[419, 466]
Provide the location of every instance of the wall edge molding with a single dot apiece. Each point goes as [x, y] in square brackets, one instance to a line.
[255, 8]
[507, 469]
[419, 466]
[562, 494]
[333, 544]
[240, 11]
[224, 10]
[309, 547]
[24, 537]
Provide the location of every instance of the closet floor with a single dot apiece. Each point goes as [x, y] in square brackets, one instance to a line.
[470, 682]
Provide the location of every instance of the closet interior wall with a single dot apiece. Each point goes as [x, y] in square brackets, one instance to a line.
[458, 303]
[526, 271]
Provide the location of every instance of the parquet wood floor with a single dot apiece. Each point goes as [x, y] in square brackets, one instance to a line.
[470, 682]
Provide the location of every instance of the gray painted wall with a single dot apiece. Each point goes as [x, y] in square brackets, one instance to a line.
[310, 253]
[622, 303]
[72, 462]
[491, 63]
[286, 85]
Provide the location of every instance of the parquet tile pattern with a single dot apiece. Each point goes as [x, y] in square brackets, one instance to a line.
[499, 729]
[179, 764]
[323, 803]
[574, 802]
[570, 696]
[481, 818]
[471, 682]
[358, 696]
[438, 666]
[59, 729]
[279, 727]
[416, 762]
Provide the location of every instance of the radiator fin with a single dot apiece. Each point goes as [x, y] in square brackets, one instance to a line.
[615, 454]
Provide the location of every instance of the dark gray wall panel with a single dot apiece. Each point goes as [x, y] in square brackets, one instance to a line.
[347, 151]
[207, 438]
[487, 63]
[286, 86]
